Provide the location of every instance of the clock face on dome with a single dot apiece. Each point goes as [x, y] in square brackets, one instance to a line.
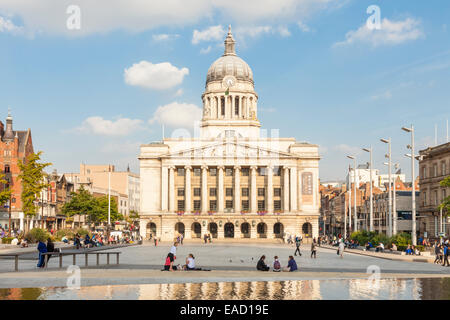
[229, 81]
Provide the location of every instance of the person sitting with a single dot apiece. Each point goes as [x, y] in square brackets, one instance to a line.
[393, 247]
[380, 248]
[368, 246]
[14, 241]
[416, 250]
[261, 265]
[292, 265]
[87, 241]
[409, 250]
[24, 243]
[168, 265]
[65, 240]
[190, 263]
[276, 264]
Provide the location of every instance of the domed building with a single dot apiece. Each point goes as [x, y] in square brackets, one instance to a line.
[231, 181]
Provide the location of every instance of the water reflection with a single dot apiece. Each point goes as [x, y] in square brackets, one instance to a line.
[357, 289]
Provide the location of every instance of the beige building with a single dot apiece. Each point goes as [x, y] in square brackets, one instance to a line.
[434, 166]
[125, 185]
[231, 180]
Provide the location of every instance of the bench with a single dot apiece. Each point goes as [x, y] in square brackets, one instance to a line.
[86, 255]
[16, 259]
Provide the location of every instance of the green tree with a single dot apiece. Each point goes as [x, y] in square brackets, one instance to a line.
[445, 205]
[32, 175]
[100, 210]
[5, 194]
[81, 203]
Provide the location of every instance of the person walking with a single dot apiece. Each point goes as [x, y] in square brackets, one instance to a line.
[50, 248]
[297, 244]
[341, 248]
[205, 238]
[313, 250]
[438, 253]
[445, 256]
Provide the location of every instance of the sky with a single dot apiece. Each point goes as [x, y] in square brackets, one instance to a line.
[96, 79]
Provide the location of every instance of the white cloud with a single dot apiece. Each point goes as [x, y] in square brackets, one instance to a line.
[7, 25]
[177, 115]
[179, 92]
[205, 50]
[255, 31]
[214, 33]
[158, 76]
[164, 37]
[386, 95]
[303, 26]
[101, 16]
[119, 127]
[346, 149]
[391, 33]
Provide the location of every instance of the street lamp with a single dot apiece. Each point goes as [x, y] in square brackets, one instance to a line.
[413, 208]
[354, 192]
[389, 155]
[369, 150]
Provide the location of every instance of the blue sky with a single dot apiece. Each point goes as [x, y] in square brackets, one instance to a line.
[321, 75]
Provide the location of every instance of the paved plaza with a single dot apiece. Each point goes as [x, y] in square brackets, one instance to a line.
[228, 262]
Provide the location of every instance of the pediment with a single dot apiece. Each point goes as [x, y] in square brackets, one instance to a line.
[229, 150]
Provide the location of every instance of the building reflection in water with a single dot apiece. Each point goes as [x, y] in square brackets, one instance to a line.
[357, 289]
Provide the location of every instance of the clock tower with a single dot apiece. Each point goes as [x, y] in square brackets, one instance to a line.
[230, 101]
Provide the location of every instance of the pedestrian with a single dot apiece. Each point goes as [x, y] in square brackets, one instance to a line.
[155, 241]
[42, 248]
[181, 238]
[297, 244]
[341, 248]
[438, 253]
[50, 248]
[313, 250]
[171, 258]
[445, 256]
[261, 265]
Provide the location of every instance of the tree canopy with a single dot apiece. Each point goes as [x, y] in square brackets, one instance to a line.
[32, 175]
[5, 194]
[445, 205]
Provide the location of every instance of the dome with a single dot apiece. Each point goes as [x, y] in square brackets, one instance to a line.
[229, 64]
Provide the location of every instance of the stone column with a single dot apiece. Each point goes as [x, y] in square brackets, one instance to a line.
[253, 190]
[237, 189]
[253, 230]
[220, 191]
[293, 189]
[164, 188]
[269, 192]
[286, 189]
[237, 230]
[204, 189]
[187, 189]
[220, 229]
[172, 189]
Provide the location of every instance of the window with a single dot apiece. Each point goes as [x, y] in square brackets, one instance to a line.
[261, 192]
[213, 205]
[197, 204]
[197, 172]
[245, 206]
[277, 205]
[180, 205]
[197, 192]
[444, 194]
[435, 197]
[261, 171]
[213, 192]
[213, 172]
[277, 192]
[222, 106]
[180, 192]
[424, 198]
[245, 172]
[228, 172]
[7, 168]
[236, 106]
[435, 170]
[424, 172]
[277, 171]
[180, 172]
[261, 205]
[229, 204]
[443, 169]
[245, 192]
[229, 192]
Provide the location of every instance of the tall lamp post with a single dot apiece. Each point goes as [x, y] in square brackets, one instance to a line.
[389, 156]
[413, 157]
[369, 150]
[354, 192]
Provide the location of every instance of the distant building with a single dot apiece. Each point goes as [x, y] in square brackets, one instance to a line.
[434, 166]
[14, 146]
[379, 180]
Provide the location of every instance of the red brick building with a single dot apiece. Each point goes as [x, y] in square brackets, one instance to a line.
[14, 146]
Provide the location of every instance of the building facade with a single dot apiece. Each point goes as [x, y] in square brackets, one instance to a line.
[434, 167]
[229, 181]
[14, 146]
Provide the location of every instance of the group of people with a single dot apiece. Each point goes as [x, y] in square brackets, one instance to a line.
[291, 266]
[171, 257]
[442, 251]
[207, 238]
[44, 248]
